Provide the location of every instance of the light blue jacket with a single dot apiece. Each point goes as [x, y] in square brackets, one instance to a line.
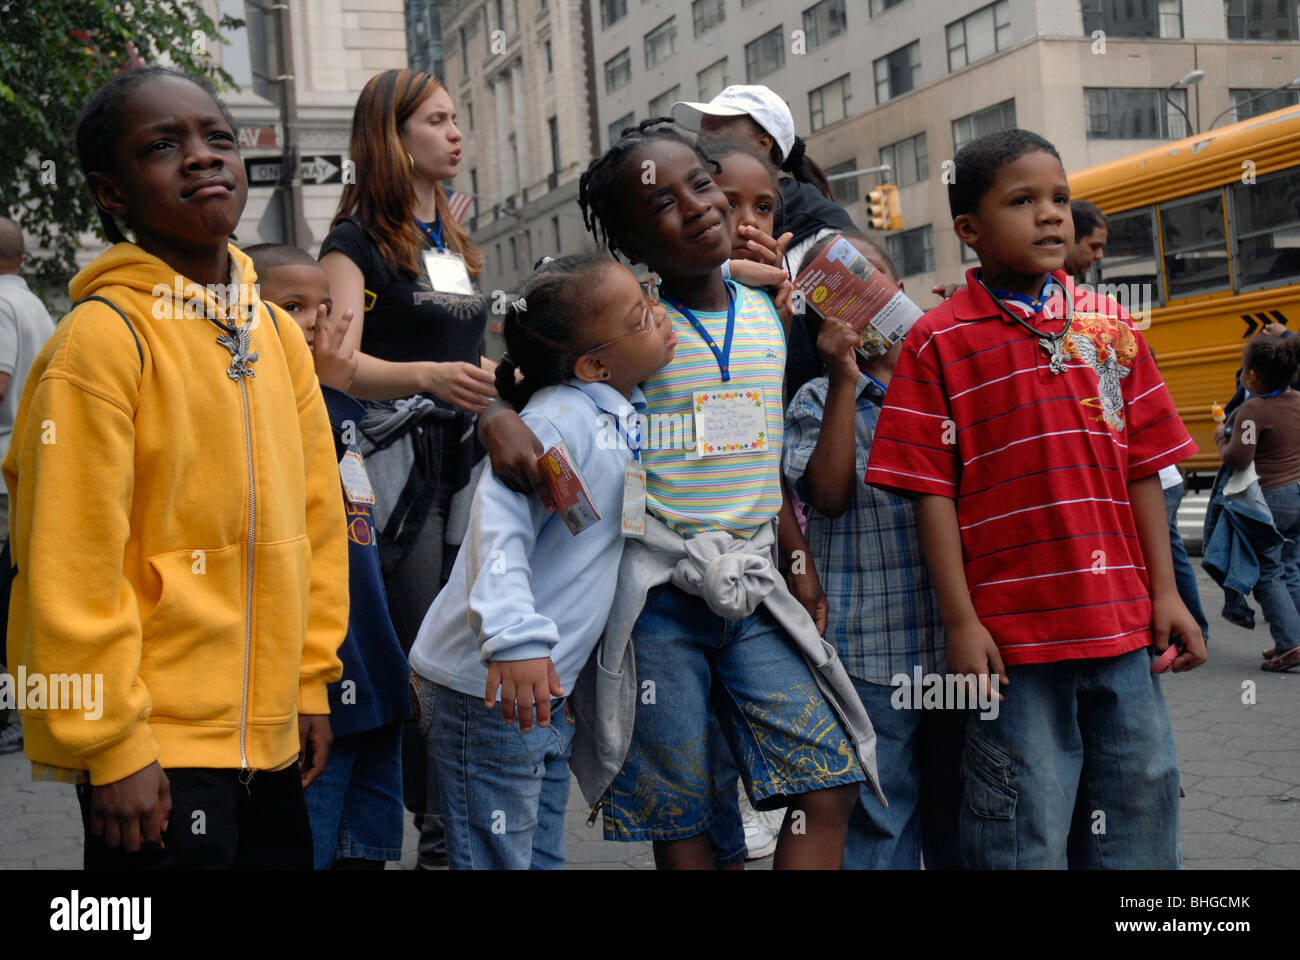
[524, 587]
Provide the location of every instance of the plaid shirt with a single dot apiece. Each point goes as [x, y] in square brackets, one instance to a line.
[884, 617]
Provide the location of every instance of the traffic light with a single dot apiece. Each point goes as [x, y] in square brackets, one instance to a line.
[885, 208]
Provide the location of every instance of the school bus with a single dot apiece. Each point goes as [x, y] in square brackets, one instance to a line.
[1211, 224]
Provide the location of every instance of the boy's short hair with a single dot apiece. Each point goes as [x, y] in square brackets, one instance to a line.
[268, 256]
[977, 164]
[854, 237]
[1087, 218]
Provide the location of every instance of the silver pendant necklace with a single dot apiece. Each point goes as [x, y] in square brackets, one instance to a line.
[1053, 344]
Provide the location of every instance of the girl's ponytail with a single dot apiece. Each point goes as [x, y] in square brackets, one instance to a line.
[805, 169]
[1275, 359]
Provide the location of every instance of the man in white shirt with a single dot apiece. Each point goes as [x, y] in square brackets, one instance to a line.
[25, 325]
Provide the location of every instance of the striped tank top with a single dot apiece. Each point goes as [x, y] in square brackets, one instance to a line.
[739, 492]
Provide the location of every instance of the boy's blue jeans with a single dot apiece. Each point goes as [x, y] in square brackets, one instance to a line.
[1184, 575]
[1078, 770]
[1278, 589]
[502, 792]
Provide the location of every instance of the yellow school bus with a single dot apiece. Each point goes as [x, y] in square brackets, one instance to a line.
[1211, 226]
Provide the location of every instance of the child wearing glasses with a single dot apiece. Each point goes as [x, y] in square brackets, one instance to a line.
[527, 600]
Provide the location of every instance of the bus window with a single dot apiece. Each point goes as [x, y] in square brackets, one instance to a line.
[1196, 251]
[1131, 254]
[1267, 223]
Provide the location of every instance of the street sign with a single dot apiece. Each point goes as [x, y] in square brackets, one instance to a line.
[261, 138]
[319, 168]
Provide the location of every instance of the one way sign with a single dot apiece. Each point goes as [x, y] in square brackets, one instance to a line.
[320, 168]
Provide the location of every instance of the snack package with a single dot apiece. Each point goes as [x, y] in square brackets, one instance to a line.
[842, 283]
[573, 499]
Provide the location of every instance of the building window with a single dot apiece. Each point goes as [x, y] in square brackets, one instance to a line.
[912, 250]
[541, 6]
[824, 21]
[968, 255]
[712, 80]
[844, 192]
[514, 253]
[979, 35]
[473, 189]
[1000, 116]
[616, 128]
[1135, 113]
[1267, 226]
[611, 12]
[1269, 100]
[553, 128]
[880, 6]
[829, 103]
[550, 64]
[662, 104]
[469, 112]
[1195, 245]
[661, 43]
[707, 14]
[1131, 256]
[909, 160]
[501, 14]
[1262, 19]
[898, 72]
[556, 240]
[764, 55]
[618, 70]
[464, 54]
[1134, 18]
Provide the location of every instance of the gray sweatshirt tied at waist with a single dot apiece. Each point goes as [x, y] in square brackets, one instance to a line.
[733, 576]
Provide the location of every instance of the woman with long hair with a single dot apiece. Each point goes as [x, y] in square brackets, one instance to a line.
[398, 259]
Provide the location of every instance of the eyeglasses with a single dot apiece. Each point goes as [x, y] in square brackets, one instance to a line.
[650, 290]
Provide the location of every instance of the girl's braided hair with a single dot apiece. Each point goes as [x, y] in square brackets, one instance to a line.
[543, 330]
[601, 196]
[1274, 358]
[100, 125]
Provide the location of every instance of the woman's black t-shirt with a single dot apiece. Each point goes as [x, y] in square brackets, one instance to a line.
[441, 327]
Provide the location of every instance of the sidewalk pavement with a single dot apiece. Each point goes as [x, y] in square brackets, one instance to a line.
[1240, 765]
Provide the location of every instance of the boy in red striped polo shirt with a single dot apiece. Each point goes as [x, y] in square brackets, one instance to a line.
[1028, 419]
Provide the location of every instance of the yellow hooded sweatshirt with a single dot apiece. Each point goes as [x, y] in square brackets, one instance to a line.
[177, 528]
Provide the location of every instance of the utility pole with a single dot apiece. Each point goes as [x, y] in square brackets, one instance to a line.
[289, 191]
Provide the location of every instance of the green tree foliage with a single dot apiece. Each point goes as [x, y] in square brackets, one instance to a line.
[53, 55]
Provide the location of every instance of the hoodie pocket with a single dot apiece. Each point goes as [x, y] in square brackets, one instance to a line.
[281, 594]
[193, 636]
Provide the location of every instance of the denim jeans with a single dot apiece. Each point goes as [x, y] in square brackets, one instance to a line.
[918, 754]
[502, 792]
[1184, 575]
[355, 805]
[1278, 590]
[1078, 769]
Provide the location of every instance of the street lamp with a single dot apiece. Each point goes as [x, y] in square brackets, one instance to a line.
[1188, 80]
[1258, 96]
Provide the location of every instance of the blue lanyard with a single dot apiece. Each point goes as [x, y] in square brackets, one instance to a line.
[1035, 304]
[883, 388]
[634, 446]
[428, 232]
[723, 356]
[1265, 396]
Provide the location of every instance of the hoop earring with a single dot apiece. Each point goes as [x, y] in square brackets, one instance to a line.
[411, 159]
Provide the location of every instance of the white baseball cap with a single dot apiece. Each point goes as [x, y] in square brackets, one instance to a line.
[760, 103]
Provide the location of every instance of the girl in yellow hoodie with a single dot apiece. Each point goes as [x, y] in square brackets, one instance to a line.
[176, 521]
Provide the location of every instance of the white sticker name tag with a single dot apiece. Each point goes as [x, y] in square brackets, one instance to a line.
[634, 500]
[730, 420]
[447, 273]
[356, 483]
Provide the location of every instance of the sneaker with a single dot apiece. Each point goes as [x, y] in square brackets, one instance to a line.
[1283, 661]
[760, 840]
[11, 738]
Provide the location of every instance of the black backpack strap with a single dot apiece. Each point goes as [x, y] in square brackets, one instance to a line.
[138, 349]
[271, 313]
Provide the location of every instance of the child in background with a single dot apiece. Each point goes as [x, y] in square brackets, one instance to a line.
[527, 599]
[715, 628]
[1031, 434]
[168, 540]
[1266, 432]
[883, 618]
[355, 806]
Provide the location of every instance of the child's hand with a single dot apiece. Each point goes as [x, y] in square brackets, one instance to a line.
[760, 246]
[530, 683]
[807, 589]
[314, 739]
[973, 651]
[754, 274]
[945, 291]
[336, 363]
[837, 342]
[1171, 619]
[132, 811]
[513, 450]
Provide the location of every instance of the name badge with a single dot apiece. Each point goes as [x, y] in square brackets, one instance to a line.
[633, 523]
[356, 484]
[447, 273]
[730, 420]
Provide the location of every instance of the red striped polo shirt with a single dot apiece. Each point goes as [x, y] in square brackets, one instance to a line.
[1038, 464]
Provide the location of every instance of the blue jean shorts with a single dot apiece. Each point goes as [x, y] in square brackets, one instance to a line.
[355, 805]
[782, 734]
